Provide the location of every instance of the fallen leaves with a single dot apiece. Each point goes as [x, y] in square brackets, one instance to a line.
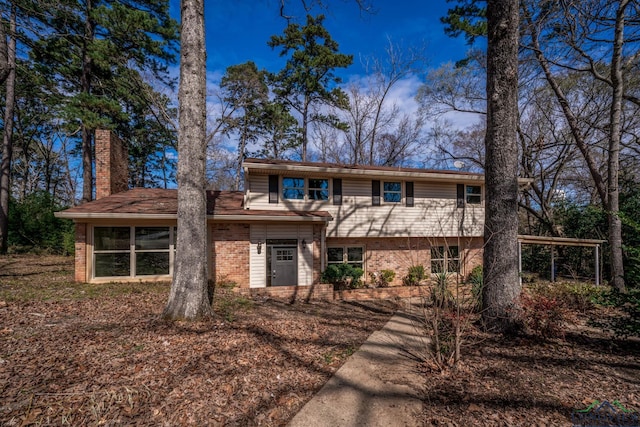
[108, 359]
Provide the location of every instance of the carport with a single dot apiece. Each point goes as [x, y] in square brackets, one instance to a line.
[561, 241]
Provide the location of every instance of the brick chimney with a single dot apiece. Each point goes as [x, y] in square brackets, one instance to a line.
[112, 169]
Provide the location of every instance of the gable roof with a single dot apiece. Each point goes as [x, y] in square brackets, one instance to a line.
[158, 203]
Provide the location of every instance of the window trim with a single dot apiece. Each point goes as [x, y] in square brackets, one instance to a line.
[132, 251]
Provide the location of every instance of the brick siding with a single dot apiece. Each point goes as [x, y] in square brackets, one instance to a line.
[398, 254]
[230, 253]
[81, 253]
[112, 173]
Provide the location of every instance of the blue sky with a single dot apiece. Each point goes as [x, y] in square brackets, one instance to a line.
[238, 30]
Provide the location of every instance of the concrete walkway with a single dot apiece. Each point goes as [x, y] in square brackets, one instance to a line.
[377, 386]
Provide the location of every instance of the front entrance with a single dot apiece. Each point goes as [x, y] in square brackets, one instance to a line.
[284, 266]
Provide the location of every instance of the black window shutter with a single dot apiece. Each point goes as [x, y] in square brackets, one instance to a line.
[337, 191]
[408, 193]
[375, 193]
[460, 191]
[273, 188]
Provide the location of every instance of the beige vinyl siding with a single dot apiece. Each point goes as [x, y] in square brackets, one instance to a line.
[435, 212]
[258, 261]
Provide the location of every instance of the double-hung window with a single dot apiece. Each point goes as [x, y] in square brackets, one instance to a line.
[392, 192]
[445, 259]
[474, 194]
[296, 188]
[293, 188]
[352, 255]
[318, 189]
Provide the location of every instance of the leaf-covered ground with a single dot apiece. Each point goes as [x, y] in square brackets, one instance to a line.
[528, 381]
[97, 354]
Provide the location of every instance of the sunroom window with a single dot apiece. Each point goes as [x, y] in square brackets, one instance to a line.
[152, 251]
[133, 251]
[112, 251]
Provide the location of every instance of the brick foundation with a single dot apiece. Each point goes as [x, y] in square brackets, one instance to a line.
[298, 293]
[381, 293]
[230, 253]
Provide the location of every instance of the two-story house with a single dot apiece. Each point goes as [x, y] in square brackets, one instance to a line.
[292, 220]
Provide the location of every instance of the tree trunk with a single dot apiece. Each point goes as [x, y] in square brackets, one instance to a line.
[613, 190]
[501, 284]
[85, 81]
[305, 125]
[7, 136]
[189, 294]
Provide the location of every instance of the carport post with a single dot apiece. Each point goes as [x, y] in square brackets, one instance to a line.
[597, 265]
[553, 266]
[520, 262]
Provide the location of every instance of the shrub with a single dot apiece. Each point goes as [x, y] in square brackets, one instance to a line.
[415, 275]
[440, 293]
[476, 278]
[542, 315]
[574, 296]
[382, 279]
[343, 276]
[627, 324]
[33, 226]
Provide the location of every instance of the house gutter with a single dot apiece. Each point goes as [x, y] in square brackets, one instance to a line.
[238, 218]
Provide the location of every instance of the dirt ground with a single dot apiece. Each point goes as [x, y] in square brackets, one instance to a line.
[94, 355]
[98, 355]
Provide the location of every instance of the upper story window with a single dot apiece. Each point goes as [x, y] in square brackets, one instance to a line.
[474, 194]
[318, 189]
[293, 188]
[296, 188]
[392, 192]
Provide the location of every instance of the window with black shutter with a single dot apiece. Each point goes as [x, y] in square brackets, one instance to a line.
[408, 193]
[337, 191]
[460, 195]
[375, 193]
[273, 188]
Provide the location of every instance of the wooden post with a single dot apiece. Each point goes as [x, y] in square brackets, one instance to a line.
[597, 251]
[553, 266]
[520, 262]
